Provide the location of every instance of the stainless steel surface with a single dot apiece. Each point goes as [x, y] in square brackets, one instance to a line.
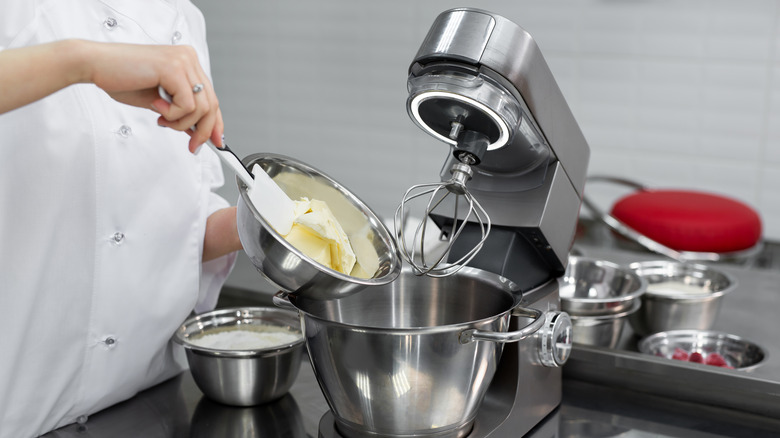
[555, 339]
[242, 377]
[737, 352]
[537, 316]
[477, 72]
[176, 408]
[599, 287]
[430, 196]
[287, 267]
[546, 214]
[480, 38]
[399, 360]
[480, 84]
[280, 418]
[604, 391]
[601, 330]
[749, 311]
[685, 309]
[523, 391]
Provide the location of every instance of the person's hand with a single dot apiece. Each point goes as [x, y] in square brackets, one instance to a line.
[132, 73]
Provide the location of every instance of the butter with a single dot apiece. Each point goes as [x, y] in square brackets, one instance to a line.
[309, 243]
[316, 233]
[367, 259]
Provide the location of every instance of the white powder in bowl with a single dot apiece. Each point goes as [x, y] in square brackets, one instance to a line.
[255, 338]
[675, 288]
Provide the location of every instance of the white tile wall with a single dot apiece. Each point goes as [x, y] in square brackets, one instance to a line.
[673, 93]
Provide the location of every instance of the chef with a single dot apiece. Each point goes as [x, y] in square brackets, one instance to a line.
[110, 231]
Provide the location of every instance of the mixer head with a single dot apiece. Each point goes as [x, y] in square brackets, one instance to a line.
[479, 84]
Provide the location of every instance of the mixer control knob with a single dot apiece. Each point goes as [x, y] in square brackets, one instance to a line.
[555, 339]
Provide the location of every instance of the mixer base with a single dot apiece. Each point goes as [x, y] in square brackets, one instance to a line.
[547, 428]
[328, 429]
[328, 426]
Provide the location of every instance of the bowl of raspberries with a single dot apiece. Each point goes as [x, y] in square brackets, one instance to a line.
[704, 347]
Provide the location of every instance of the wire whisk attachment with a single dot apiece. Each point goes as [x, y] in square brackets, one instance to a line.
[426, 262]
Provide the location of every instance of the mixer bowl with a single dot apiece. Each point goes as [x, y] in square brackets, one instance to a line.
[392, 361]
[287, 267]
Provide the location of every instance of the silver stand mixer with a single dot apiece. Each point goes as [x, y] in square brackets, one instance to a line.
[510, 194]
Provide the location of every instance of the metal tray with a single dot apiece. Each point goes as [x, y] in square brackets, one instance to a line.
[697, 383]
[750, 312]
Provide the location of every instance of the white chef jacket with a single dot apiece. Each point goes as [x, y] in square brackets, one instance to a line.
[102, 218]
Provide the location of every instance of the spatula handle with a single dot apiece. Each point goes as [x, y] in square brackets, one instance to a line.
[225, 154]
[231, 159]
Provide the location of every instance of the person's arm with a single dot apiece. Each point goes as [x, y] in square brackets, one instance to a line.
[130, 73]
[221, 234]
[32, 73]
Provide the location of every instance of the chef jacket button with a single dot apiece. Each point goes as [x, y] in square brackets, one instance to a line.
[125, 131]
[110, 23]
[118, 237]
[176, 37]
[110, 341]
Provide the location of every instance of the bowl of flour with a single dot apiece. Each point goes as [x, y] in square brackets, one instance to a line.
[679, 296]
[243, 356]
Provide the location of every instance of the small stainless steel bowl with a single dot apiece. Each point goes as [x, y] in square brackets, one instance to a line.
[287, 267]
[593, 287]
[679, 296]
[738, 352]
[600, 330]
[242, 377]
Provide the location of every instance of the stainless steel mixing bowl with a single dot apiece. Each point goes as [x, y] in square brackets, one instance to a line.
[287, 267]
[398, 361]
[600, 330]
[738, 352]
[691, 297]
[242, 377]
[592, 287]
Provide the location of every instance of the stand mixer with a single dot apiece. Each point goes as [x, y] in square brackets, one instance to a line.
[480, 84]
[509, 198]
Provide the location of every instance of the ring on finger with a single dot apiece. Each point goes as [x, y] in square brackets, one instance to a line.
[197, 88]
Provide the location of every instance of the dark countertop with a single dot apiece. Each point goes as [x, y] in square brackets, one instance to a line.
[177, 408]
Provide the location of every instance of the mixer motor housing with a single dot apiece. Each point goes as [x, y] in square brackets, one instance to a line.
[479, 72]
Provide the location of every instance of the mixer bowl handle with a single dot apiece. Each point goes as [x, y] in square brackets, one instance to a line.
[282, 300]
[472, 335]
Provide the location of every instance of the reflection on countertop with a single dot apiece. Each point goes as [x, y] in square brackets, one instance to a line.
[177, 408]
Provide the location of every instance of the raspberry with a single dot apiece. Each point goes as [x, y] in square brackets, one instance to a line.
[680, 354]
[696, 357]
[717, 360]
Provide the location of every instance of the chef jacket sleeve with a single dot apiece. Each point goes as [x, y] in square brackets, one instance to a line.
[15, 19]
[214, 272]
